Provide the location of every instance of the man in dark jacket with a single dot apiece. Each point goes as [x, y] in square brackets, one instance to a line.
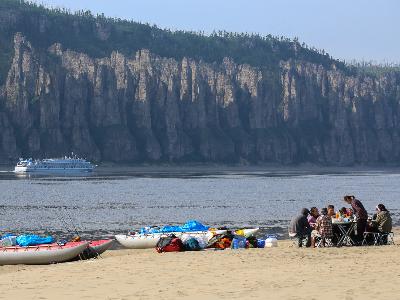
[300, 228]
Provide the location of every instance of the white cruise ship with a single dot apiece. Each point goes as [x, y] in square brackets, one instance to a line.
[54, 165]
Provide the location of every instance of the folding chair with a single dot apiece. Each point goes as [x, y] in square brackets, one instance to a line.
[295, 238]
[324, 242]
[386, 238]
[375, 238]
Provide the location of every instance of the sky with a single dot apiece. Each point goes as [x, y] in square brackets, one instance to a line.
[365, 30]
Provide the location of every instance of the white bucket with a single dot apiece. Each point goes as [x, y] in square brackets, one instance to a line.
[271, 242]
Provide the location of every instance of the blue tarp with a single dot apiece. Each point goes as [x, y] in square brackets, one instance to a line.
[191, 225]
[33, 240]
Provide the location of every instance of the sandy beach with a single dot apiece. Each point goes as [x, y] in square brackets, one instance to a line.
[284, 272]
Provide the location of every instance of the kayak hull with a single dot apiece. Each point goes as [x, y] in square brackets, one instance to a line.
[94, 249]
[41, 254]
[101, 246]
[142, 241]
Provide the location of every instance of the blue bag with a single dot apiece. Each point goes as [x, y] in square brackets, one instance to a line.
[33, 240]
[239, 242]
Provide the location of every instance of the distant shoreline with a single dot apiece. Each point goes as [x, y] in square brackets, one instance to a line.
[229, 168]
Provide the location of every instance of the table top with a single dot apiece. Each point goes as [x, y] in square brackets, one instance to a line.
[342, 222]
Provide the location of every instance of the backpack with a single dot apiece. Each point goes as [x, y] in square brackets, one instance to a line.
[192, 245]
[169, 244]
[253, 242]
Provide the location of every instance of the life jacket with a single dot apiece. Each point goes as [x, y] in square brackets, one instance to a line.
[169, 244]
[220, 241]
[76, 239]
[223, 243]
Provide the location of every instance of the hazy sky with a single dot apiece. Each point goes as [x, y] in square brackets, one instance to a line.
[347, 29]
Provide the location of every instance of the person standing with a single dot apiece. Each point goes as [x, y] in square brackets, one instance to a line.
[300, 228]
[360, 213]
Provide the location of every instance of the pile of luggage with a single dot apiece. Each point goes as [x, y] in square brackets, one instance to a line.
[148, 237]
[228, 240]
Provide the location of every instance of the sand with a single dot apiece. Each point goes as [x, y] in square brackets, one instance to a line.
[271, 273]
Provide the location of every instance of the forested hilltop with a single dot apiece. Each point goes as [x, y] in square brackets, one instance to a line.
[117, 90]
[86, 33]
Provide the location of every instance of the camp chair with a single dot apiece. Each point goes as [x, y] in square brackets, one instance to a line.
[323, 242]
[293, 238]
[386, 238]
[372, 236]
[299, 239]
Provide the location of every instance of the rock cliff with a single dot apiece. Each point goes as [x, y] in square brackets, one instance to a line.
[150, 108]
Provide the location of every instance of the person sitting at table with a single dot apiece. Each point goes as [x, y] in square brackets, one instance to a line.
[383, 221]
[331, 211]
[336, 231]
[300, 228]
[343, 212]
[323, 228]
[312, 218]
[361, 214]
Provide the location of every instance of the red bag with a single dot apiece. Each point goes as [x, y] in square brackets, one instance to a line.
[169, 245]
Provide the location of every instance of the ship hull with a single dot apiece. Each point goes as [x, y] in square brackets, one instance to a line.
[64, 165]
[24, 170]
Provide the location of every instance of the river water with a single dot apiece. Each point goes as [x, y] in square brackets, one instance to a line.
[113, 200]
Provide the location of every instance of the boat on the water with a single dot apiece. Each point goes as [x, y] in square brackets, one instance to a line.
[41, 254]
[54, 165]
[147, 241]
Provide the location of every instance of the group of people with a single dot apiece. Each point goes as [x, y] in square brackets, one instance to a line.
[312, 224]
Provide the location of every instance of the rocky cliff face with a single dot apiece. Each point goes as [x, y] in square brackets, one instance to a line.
[150, 108]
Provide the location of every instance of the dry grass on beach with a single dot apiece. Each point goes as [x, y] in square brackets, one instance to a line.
[272, 273]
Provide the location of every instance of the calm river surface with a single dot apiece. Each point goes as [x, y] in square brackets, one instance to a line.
[113, 200]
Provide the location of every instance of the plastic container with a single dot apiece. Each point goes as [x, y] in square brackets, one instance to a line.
[271, 241]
